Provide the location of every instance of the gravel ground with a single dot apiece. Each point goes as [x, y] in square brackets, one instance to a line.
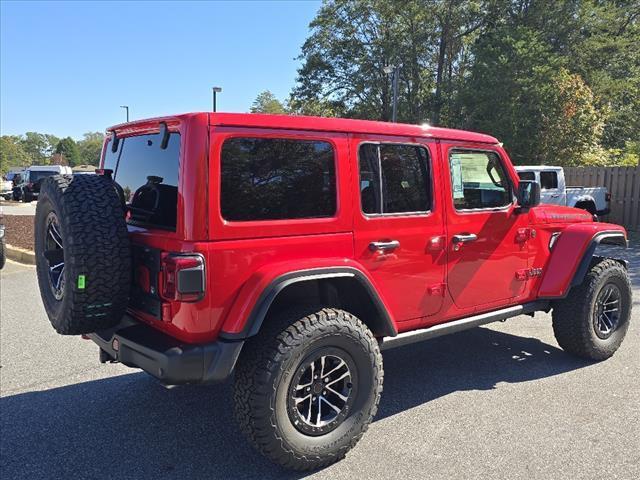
[19, 230]
[496, 402]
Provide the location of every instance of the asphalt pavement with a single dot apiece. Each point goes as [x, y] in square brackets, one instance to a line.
[496, 402]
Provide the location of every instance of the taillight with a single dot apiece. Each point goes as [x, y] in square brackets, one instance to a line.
[183, 277]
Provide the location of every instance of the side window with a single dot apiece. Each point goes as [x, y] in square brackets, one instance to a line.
[527, 176]
[478, 180]
[394, 178]
[548, 180]
[277, 178]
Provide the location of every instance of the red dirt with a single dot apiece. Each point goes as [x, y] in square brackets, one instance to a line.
[19, 230]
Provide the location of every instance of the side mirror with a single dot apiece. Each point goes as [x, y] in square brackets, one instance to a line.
[528, 194]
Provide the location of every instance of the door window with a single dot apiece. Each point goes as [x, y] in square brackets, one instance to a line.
[394, 178]
[277, 178]
[548, 180]
[478, 180]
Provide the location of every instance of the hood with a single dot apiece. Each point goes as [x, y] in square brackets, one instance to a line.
[560, 214]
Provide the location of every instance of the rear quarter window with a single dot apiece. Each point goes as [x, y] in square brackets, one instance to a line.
[148, 177]
[277, 179]
[548, 180]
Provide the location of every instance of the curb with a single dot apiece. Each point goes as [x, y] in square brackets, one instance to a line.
[20, 255]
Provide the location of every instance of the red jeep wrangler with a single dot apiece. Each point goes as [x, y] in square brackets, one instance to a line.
[290, 250]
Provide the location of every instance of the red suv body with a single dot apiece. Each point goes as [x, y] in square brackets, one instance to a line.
[427, 280]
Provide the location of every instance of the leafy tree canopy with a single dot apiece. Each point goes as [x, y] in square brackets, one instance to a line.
[266, 102]
[558, 82]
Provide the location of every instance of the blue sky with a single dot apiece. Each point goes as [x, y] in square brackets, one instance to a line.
[66, 67]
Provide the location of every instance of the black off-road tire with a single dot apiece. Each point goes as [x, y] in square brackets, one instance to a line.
[96, 276]
[573, 317]
[264, 379]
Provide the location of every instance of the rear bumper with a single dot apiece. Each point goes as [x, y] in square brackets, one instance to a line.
[173, 363]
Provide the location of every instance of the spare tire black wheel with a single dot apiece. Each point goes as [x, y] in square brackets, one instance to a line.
[83, 254]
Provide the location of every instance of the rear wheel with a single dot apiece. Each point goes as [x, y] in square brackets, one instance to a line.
[593, 320]
[82, 253]
[308, 386]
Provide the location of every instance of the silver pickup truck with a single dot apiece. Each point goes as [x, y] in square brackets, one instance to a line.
[554, 190]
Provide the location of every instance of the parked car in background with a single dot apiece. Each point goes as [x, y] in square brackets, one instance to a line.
[595, 200]
[28, 188]
[6, 188]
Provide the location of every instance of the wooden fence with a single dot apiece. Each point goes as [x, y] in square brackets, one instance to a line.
[622, 182]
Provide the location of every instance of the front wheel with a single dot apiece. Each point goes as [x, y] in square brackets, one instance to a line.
[308, 386]
[593, 320]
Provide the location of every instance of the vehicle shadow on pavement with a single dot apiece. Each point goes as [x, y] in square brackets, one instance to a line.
[130, 426]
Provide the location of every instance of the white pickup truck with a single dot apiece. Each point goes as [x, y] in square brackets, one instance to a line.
[554, 190]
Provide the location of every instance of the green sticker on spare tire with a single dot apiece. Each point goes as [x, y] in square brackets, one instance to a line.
[81, 282]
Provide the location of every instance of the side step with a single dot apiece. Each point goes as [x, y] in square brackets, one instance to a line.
[414, 336]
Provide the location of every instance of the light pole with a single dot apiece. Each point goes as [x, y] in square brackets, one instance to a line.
[394, 71]
[126, 107]
[215, 90]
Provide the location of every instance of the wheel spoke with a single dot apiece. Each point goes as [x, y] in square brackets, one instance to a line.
[302, 399]
[335, 368]
[60, 278]
[344, 375]
[339, 395]
[61, 264]
[323, 399]
[55, 235]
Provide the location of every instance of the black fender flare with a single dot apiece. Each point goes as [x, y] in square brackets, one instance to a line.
[269, 294]
[605, 238]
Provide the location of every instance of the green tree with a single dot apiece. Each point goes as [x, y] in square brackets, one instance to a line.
[266, 102]
[39, 146]
[520, 87]
[68, 149]
[607, 55]
[353, 42]
[90, 148]
[12, 154]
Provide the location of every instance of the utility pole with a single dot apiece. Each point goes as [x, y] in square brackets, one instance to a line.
[394, 71]
[126, 107]
[215, 90]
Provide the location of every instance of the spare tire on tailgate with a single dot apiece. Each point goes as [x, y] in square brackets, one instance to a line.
[83, 255]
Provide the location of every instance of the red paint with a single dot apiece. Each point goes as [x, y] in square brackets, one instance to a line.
[424, 281]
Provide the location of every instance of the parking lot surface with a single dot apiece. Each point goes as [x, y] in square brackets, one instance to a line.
[18, 208]
[496, 402]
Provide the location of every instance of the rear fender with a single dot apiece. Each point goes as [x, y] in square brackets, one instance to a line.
[572, 254]
[258, 294]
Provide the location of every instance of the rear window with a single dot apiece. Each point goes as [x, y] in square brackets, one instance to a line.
[277, 178]
[148, 176]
